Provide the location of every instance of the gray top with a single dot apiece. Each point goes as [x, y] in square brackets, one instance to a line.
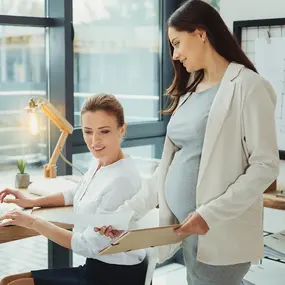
[186, 130]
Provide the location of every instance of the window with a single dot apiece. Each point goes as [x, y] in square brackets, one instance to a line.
[116, 50]
[33, 8]
[22, 75]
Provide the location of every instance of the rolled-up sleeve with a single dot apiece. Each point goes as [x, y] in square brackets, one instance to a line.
[68, 195]
[88, 243]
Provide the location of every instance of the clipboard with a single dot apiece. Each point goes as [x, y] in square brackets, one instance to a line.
[143, 238]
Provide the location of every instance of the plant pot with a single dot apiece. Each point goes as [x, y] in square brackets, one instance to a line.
[22, 180]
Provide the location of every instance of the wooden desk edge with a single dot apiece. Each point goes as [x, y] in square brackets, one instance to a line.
[13, 233]
[270, 200]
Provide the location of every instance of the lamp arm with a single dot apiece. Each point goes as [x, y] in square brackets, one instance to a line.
[58, 148]
[50, 168]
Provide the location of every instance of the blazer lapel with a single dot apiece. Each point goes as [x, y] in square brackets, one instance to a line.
[217, 114]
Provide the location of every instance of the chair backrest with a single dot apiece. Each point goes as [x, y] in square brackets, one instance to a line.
[146, 167]
[150, 220]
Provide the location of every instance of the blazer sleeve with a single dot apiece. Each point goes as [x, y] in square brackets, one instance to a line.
[145, 200]
[148, 197]
[258, 117]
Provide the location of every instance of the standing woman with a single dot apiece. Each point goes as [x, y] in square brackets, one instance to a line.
[220, 151]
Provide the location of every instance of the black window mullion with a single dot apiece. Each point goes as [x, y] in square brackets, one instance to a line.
[7, 20]
[60, 90]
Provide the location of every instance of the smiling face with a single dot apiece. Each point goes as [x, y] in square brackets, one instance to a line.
[188, 48]
[102, 135]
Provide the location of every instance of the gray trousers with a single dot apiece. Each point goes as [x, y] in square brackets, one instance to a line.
[199, 273]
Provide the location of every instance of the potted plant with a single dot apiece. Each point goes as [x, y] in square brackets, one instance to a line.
[22, 178]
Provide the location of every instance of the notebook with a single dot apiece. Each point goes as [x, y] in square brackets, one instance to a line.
[46, 186]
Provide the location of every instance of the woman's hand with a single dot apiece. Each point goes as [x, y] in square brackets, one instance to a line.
[18, 218]
[193, 224]
[108, 231]
[19, 198]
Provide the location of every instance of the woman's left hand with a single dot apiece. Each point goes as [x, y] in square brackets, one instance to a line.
[194, 224]
[17, 218]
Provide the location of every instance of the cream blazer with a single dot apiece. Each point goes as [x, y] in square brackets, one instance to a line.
[239, 162]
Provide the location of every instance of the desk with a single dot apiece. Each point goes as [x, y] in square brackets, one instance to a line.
[269, 197]
[12, 233]
[271, 201]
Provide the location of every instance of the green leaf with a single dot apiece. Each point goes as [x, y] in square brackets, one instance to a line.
[21, 163]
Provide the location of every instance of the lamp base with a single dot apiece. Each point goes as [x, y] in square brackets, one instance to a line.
[50, 171]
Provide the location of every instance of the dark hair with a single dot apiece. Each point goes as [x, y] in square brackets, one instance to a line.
[197, 14]
[107, 103]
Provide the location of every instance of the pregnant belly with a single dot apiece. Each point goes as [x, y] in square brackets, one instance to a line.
[180, 187]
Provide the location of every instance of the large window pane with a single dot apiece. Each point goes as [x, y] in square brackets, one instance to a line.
[22, 75]
[35, 8]
[116, 50]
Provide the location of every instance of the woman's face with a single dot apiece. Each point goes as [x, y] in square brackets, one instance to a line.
[189, 48]
[102, 135]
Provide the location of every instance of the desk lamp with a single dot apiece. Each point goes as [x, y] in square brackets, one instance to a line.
[54, 115]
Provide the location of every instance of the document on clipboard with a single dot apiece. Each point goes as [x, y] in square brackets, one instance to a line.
[143, 238]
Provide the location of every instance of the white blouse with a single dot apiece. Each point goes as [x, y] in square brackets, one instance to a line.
[105, 189]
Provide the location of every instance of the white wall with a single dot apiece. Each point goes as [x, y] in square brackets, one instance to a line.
[235, 10]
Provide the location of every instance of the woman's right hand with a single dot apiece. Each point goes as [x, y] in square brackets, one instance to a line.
[108, 231]
[19, 198]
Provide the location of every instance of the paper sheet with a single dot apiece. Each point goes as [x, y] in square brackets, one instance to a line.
[276, 242]
[268, 273]
[118, 220]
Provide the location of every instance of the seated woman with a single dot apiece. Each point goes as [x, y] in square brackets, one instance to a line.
[111, 181]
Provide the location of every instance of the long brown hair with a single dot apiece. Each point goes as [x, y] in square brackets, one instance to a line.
[197, 14]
